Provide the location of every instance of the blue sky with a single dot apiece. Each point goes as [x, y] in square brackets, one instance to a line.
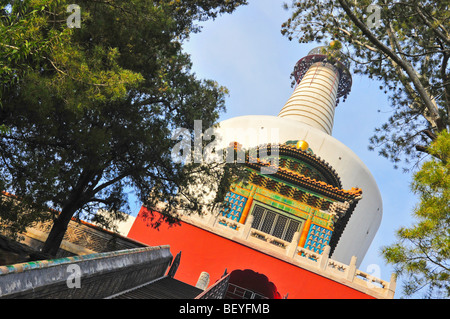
[246, 52]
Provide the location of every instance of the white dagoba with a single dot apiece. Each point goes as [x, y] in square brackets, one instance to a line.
[308, 115]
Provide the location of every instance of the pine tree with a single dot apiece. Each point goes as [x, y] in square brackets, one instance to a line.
[403, 44]
[422, 253]
[90, 111]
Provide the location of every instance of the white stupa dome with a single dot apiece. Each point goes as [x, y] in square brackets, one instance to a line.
[308, 116]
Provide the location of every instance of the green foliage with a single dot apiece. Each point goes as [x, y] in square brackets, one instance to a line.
[90, 111]
[38, 44]
[408, 53]
[422, 253]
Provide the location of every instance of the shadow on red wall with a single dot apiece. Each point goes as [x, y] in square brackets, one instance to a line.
[254, 285]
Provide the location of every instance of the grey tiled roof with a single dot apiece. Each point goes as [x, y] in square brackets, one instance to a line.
[165, 288]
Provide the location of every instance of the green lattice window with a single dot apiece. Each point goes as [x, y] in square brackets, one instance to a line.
[273, 223]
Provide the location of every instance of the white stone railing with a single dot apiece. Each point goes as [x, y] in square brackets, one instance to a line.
[277, 242]
[339, 270]
[373, 282]
[227, 223]
[308, 259]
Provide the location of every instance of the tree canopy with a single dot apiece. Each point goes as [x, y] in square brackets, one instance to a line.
[422, 252]
[90, 111]
[403, 44]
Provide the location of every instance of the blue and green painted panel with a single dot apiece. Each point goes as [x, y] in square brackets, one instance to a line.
[318, 237]
[235, 206]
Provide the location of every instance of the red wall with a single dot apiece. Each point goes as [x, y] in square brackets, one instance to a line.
[205, 251]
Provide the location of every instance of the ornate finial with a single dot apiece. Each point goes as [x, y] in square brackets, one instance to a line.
[303, 145]
[332, 55]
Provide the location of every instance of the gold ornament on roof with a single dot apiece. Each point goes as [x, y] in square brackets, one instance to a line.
[303, 145]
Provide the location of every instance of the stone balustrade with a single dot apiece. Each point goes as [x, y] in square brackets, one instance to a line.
[277, 242]
[307, 259]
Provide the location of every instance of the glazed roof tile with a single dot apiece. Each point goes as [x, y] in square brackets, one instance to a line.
[302, 180]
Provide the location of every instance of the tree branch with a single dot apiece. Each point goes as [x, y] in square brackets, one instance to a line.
[109, 183]
[357, 41]
[435, 118]
[443, 70]
[438, 33]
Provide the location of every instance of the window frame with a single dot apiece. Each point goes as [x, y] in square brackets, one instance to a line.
[277, 212]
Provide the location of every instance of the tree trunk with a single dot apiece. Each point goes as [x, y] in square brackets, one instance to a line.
[73, 203]
[56, 235]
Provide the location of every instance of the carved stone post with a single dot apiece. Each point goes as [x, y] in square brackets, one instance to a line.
[213, 219]
[247, 227]
[323, 262]
[292, 248]
[203, 281]
[392, 285]
[351, 269]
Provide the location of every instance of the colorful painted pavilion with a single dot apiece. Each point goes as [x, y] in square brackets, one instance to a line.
[304, 196]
